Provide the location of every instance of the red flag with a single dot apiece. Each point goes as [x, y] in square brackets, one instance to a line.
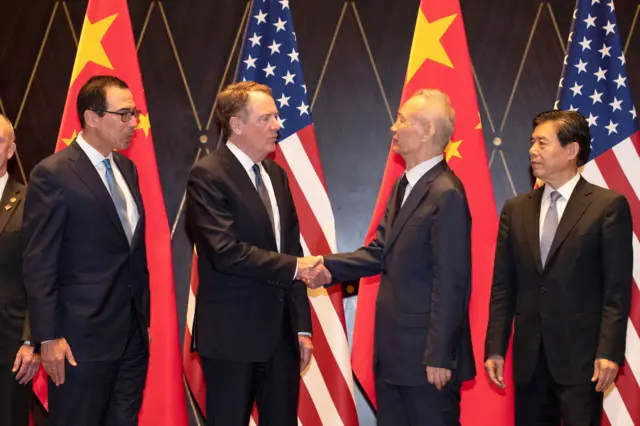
[107, 47]
[440, 59]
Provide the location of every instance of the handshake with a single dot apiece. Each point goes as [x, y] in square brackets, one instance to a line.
[312, 272]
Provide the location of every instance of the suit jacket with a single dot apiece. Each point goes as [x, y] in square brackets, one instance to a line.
[84, 281]
[245, 282]
[424, 259]
[14, 324]
[578, 303]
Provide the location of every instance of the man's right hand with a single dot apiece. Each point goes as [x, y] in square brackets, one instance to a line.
[312, 272]
[494, 365]
[53, 354]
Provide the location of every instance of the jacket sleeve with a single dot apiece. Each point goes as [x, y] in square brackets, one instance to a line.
[44, 221]
[451, 267]
[617, 262]
[502, 304]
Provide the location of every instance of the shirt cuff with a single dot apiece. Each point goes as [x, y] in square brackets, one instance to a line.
[304, 333]
[295, 274]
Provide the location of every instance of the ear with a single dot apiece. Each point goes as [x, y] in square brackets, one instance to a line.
[429, 131]
[91, 118]
[573, 149]
[12, 150]
[236, 125]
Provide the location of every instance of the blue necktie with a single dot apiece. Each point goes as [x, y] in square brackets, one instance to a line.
[118, 198]
[549, 227]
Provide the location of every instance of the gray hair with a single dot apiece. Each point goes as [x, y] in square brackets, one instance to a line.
[446, 114]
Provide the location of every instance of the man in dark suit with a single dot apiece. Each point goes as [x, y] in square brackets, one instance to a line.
[422, 249]
[85, 267]
[253, 325]
[16, 348]
[563, 270]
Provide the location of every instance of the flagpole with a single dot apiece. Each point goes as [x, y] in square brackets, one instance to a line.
[235, 73]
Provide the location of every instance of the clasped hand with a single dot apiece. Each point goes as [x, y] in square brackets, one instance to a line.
[312, 272]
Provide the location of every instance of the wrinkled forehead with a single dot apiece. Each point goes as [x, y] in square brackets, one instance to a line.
[6, 129]
[119, 98]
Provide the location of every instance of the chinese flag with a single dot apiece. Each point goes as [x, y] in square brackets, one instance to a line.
[440, 59]
[107, 47]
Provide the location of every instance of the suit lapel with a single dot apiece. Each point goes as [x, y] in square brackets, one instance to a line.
[578, 203]
[281, 200]
[418, 192]
[532, 225]
[249, 193]
[11, 197]
[133, 189]
[87, 173]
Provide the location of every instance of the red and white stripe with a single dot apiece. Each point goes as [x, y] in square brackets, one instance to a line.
[326, 389]
[619, 169]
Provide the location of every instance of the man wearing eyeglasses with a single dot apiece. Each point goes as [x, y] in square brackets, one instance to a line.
[85, 267]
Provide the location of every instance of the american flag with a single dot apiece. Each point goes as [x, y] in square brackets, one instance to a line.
[595, 83]
[270, 56]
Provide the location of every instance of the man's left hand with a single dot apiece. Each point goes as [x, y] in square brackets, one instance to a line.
[306, 350]
[604, 372]
[28, 362]
[438, 377]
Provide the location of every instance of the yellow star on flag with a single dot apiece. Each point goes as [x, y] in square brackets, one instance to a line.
[71, 139]
[452, 150]
[479, 126]
[90, 47]
[426, 43]
[144, 124]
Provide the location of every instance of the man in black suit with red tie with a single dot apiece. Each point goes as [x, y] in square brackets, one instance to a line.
[562, 277]
[253, 323]
[85, 266]
[422, 250]
[17, 351]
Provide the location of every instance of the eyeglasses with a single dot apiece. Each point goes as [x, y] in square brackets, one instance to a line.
[124, 115]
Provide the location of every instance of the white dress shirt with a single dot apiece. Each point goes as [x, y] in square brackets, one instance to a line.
[561, 204]
[247, 164]
[414, 174]
[97, 159]
[3, 183]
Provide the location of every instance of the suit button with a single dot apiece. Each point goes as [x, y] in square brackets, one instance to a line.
[280, 298]
[543, 290]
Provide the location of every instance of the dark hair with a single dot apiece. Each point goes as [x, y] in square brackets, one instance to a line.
[571, 126]
[233, 100]
[93, 94]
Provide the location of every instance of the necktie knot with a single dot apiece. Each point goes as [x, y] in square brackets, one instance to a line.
[256, 169]
[107, 163]
[554, 196]
[404, 182]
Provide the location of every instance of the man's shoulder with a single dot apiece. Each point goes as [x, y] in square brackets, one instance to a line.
[53, 164]
[212, 165]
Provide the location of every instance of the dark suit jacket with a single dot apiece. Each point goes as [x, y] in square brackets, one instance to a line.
[82, 276]
[424, 259]
[244, 281]
[579, 303]
[14, 323]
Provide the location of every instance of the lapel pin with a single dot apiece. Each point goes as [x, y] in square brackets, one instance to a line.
[13, 199]
[7, 207]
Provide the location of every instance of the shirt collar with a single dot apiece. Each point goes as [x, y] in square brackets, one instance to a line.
[414, 175]
[565, 190]
[94, 155]
[243, 158]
